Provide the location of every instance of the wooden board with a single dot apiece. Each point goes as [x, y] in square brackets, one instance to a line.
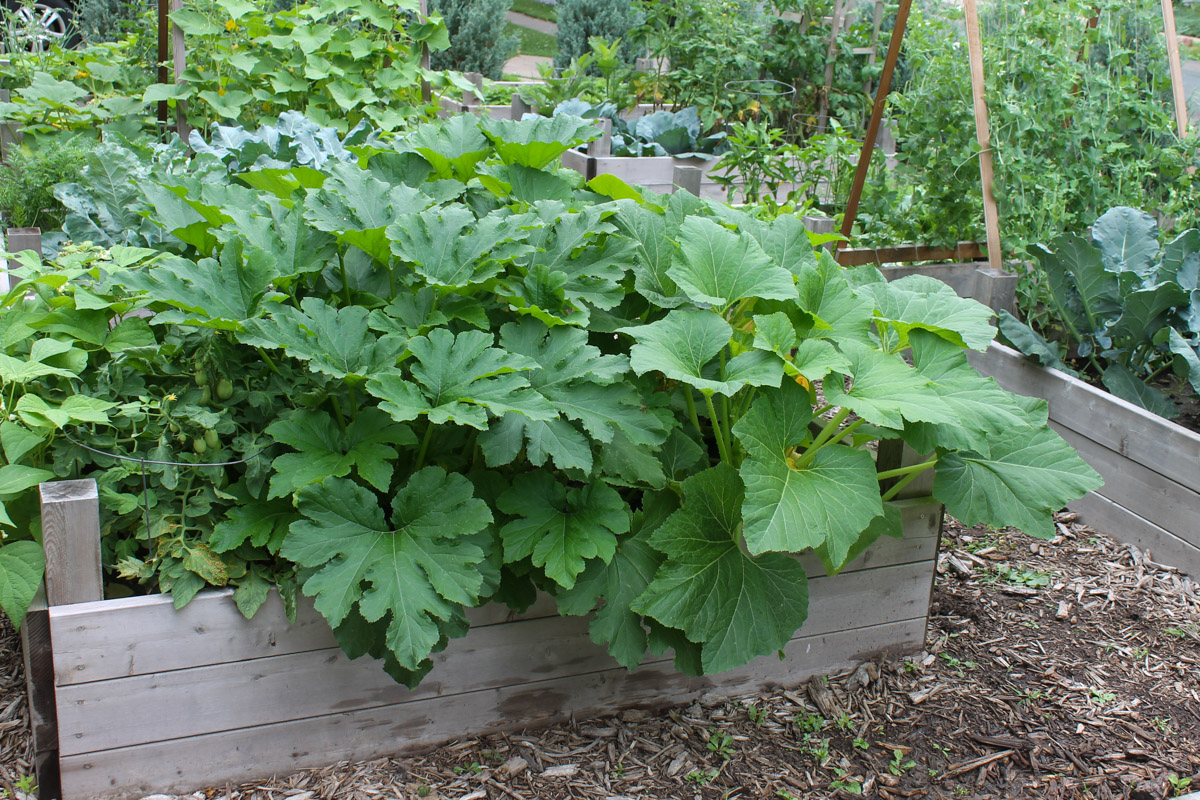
[1133, 432]
[1151, 492]
[261, 752]
[91, 640]
[253, 710]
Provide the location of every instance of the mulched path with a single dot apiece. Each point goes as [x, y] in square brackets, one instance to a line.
[1064, 669]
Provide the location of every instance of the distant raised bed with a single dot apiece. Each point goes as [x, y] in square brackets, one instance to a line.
[131, 697]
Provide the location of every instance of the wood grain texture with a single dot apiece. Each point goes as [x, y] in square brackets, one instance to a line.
[991, 213]
[963, 251]
[1133, 432]
[108, 714]
[71, 538]
[186, 764]
[38, 654]
[1164, 546]
[92, 641]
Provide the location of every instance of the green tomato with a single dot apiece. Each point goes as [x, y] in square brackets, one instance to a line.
[212, 440]
[205, 396]
[224, 389]
[201, 377]
[198, 446]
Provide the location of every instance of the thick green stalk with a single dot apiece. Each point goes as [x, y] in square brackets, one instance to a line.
[345, 280]
[849, 429]
[722, 445]
[691, 409]
[831, 428]
[337, 411]
[420, 462]
[900, 484]
[913, 469]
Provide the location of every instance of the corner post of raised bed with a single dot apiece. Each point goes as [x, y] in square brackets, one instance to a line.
[996, 289]
[71, 539]
[10, 133]
[426, 88]
[519, 107]
[473, 97]
[603, 146]
[687, 178]
[18, 240]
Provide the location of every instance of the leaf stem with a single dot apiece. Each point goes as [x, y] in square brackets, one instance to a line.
[337, 411]
[831, 428]
[267, 360]
[722, 445]
[420, 462]
[846, 431]
[691, 409]
[914, 469]
[345, 279]
[900, 484]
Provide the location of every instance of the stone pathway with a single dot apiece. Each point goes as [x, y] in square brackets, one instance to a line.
[526, 21]
[526, 66]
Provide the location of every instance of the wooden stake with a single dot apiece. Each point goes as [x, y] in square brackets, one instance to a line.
[874, 54]
[426, 89]
[839, 13]
[71, 538]
[179, 57]
[885, 85]
[1181, 113]
[163, 30]
[991, 219]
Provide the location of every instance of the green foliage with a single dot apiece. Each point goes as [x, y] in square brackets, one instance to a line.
[580, 20]
[1125, 310]
[446, 372]
[478, 42]
[106, 20]
[27, 183]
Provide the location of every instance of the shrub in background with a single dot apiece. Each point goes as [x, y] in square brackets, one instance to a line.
[107, 20]
[579, 20]
[27, 183]
[477, 39]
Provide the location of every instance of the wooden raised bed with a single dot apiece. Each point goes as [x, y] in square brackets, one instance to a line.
[1150, 465]
[130, 697]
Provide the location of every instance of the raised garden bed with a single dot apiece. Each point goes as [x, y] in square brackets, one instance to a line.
[1151, 493]
[130, 696]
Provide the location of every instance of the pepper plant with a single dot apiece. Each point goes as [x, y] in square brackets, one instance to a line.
[477, 378]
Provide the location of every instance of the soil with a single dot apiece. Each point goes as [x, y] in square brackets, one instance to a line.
[1063, 669]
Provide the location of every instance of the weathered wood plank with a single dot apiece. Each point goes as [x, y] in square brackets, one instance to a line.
[38, 653]
[857, 256]
[107, 714]
[1105, 515]
[186, 764]
[1155, 497]
[71, 539]
[1133, 432]
[92, 641]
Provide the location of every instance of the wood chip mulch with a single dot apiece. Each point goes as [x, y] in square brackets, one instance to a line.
[1063, 669]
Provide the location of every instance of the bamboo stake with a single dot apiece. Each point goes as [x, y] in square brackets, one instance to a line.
[1181, 113]
[991, 219]
[885, 85]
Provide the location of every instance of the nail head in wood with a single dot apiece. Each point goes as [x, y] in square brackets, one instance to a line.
[71, 538]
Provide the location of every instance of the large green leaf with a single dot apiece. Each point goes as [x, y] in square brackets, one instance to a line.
[1181, 258]
[561, 528]
[332, 341]
[210, 293]
[1030, 474]
[21, 568]
[1031, 343]
[654, 252]
[452, 148]
[324, 449]
[1146, 309]
[736, 606]
[1121, 381]
[919, 301]
[537, 141]
[416, 571]
[618, 583]
[982, 407]
[16, 370]
[443, 254]
[1082, 288]
[826, 294]
[679, 346]
[1127, 239]
[828, 503]
[720, 267]
[459, 379]
[785, 240]
[885, 390]
[1186, 361]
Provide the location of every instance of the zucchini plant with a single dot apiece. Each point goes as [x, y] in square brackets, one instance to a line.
[477, 377]
[1125, 310]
